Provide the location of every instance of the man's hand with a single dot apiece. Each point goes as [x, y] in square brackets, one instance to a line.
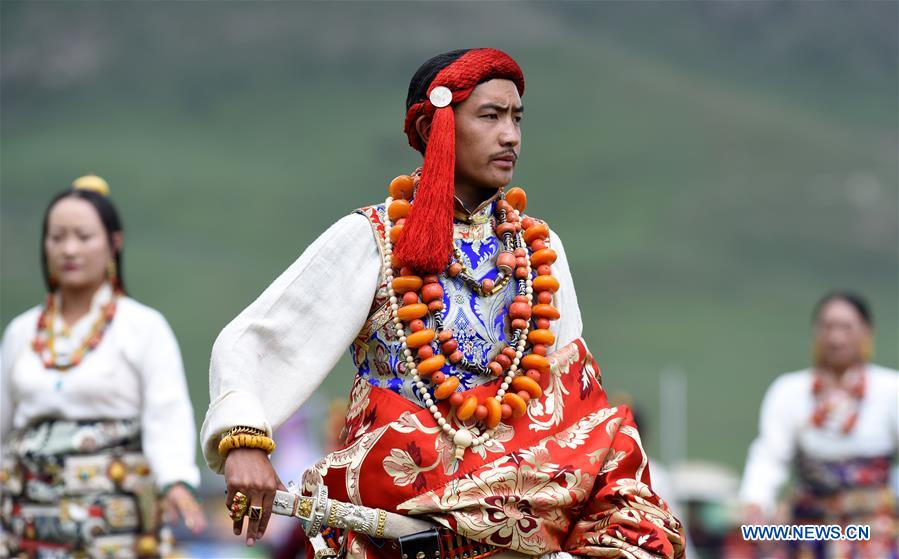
[249, 471]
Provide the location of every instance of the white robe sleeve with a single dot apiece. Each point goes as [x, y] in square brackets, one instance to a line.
[6, 401]
[273, 356]
[168, 431]
[16, 338]
[770, 455]
[569, 326]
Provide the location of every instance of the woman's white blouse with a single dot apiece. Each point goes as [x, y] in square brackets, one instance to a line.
[785, 429]
[135, 372]
[272, 357]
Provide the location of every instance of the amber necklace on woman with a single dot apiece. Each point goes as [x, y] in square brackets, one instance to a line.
[426, 351]
[44, 339]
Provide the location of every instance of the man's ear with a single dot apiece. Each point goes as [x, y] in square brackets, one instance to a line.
[423, 127]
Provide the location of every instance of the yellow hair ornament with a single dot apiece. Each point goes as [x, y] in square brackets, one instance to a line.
[92, 182]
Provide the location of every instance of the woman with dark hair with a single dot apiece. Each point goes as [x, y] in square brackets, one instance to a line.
[97, 424]
[836, 426]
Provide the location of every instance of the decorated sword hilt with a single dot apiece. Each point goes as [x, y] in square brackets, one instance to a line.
[317, 510]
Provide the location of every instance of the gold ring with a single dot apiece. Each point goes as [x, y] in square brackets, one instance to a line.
[238, 508]
[239, 498]
[255, 513]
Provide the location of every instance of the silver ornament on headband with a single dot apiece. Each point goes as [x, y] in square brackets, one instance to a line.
[441, 96]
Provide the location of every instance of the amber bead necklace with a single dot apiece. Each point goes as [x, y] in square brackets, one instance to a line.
[412, 297]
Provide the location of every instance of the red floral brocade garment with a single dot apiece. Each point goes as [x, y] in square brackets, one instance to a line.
[571, 475]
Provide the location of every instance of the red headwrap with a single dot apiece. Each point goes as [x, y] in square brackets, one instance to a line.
[426, 242]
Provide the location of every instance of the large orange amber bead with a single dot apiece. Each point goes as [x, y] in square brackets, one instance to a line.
[404, 284]
[546, 283]
[411, 312]
[398, 209]
[541, 336]
[446, 388]
[401, 187]
[514, 401]
[534, 361]
[545, 311]
[528, 385]
[542, 256]
[494, 412]
[536, 231]
[431, 365]
[420, 338]
[517, 198]
[466, 410]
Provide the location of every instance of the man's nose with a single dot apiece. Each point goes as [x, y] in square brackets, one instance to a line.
[510, 136]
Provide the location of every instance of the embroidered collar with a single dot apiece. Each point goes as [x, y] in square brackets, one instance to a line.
[479, 215]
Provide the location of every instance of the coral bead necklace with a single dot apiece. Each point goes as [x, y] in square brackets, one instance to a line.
[44, 339]
[426, 351]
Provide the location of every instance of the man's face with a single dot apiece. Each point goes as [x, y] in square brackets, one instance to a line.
[488, 135]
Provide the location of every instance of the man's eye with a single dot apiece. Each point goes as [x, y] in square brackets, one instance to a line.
[517, 119]
[491, 116]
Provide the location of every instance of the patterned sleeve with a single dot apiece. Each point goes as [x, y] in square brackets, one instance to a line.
[625, 517]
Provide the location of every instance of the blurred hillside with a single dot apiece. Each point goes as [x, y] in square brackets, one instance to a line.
[712, 168]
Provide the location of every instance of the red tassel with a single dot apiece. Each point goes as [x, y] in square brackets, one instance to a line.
[426, 243]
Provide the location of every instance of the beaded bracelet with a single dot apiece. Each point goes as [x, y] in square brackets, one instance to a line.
[243, 440]
[245, 429]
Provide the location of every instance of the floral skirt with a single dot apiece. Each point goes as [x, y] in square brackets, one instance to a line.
[78, 489]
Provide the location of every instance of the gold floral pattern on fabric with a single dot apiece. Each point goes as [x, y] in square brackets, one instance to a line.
[579, 482]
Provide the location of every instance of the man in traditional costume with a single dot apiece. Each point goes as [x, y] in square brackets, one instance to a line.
[476, 404]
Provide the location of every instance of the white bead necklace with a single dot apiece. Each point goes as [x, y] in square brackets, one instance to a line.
[463, 437]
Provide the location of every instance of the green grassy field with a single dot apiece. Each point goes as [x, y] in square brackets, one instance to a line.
[711, 168]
